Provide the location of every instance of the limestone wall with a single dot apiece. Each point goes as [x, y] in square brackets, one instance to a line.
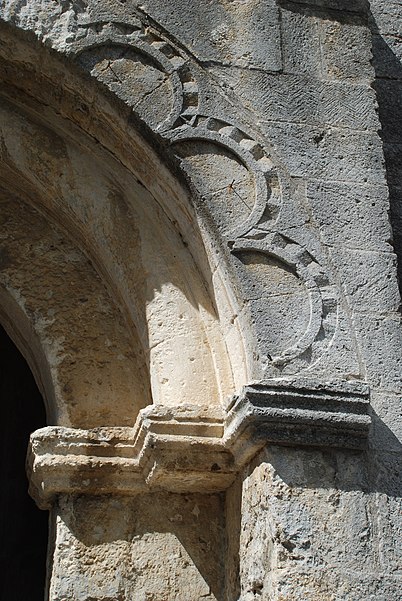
[249, 249]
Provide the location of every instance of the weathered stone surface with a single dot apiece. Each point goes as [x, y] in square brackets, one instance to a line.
[148, 548]
[337, 207]
[191, 449]
[210, 30]
[346, 50]
[196, 198]
[379, 336]
[328, 152]
[303, 99]
[365, 274]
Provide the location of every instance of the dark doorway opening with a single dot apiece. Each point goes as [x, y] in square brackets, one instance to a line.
[23, 527]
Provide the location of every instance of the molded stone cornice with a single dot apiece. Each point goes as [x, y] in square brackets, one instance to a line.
[196, 449]
[348, 6]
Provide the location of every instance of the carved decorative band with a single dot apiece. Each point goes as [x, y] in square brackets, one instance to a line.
[297, 413]
[196, 449]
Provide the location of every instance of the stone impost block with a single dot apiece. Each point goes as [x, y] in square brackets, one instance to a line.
[299, 412]
[196, 449]
[348, 6]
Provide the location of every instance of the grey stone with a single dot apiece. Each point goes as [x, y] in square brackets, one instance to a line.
[210, 30]
[364, 274]
[301, 43]
[307, 413]
[379, 336]
[346, 52]
[337, 207]
[327, 152]
[196, 258]
[303, 99]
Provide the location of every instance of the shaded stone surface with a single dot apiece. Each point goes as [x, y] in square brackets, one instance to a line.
[229, 183]
[23, 528]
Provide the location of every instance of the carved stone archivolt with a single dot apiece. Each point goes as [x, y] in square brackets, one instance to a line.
[141, 67]
[263, 204]
[320, 313]
[241, 186]
[180, 447]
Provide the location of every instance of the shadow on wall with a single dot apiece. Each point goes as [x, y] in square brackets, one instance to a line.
[388, 87]
[342, 470]
[298, 506]
[165, 546]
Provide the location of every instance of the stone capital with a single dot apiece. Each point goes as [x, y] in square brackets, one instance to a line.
[189, 448]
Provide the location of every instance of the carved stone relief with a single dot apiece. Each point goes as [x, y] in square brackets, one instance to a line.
[240, 186]
[234, 300]
[142, 68]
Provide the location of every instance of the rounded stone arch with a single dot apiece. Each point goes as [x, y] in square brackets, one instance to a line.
[143, 312]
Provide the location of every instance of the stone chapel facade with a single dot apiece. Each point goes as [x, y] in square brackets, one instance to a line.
[201, 209]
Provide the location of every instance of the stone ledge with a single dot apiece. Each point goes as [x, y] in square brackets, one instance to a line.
[298, 412]
[196, 449]
[347, 6]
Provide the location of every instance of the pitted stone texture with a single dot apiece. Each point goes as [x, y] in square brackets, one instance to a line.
[303, 99]
[56, 287]
[279, 301]
[151, 548]
[229, 192]
[310, 530]
[328, 153]
[369, 279]
[337, 207]
[134, 78]
[379, 337]
[312, 525]
[211, 30]
[195, 449]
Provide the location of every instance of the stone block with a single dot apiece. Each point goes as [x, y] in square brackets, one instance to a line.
[317, 585]
[337, 208]
[321, 528]
[301, 43]
[346, 51]
[341, 360]
[192, 449]
[329, 414]
[386, 472]
[327, 152]
[369, 279]
[390, 528]
[378, 338]
[387, 56]
[151, 547]
[211, 30]
[397, 232]
[386, 432]
[304, 99]
[386, 17]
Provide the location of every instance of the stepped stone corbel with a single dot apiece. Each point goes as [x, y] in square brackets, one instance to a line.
[196, 449]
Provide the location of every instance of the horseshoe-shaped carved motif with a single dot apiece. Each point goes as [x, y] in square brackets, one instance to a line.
[321, 294]
[267, 197]
[101, 38]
